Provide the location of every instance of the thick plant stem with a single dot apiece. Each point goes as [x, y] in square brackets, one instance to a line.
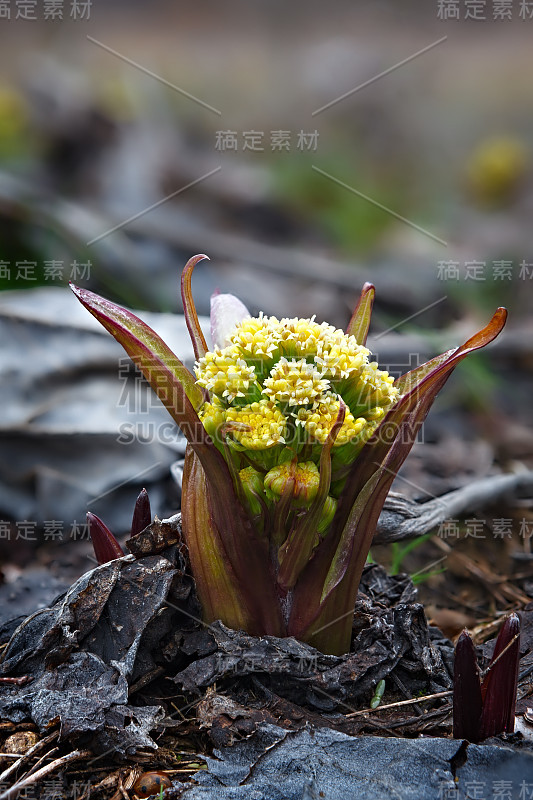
[241, 592]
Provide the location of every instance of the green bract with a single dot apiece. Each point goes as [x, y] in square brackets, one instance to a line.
[295, 437]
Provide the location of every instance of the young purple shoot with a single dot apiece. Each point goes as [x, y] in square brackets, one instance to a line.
[294, 438]
[142, 514]
[467, 702]
[500, 683]
[484, 708]
[106, 547]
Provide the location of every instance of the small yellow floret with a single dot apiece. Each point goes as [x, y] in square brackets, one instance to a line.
[297, 383]
[266, 425]
[340, 356]
[318, 421]
[256, 336]
[212, 417]
[298, 337]
[224, 373]
[374, 388]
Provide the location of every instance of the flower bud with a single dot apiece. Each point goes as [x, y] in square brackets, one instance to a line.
[212, 416]
[328, 512]
[252, 484]
[305, 476]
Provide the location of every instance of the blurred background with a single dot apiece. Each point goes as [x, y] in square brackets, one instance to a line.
[306, 149]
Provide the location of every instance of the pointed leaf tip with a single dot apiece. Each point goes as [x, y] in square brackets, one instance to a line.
[106, 547]
[467, 702]
[170, 379]
[189, 309]
[226, 312]
[500, 685]
[360, 321]
[487, 334]
[142, 513]
[426, 374]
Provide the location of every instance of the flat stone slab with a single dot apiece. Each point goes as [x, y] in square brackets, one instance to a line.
[312, 765]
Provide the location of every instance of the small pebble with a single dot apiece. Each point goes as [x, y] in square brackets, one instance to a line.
[20, 742]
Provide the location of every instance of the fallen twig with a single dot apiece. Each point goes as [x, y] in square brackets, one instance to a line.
[402, 518]
[37, 747]
[45, 757]
[410, 702]
[75, 755]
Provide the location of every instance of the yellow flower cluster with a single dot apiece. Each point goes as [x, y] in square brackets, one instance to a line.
[279, 379]
[261, 425]
[224, 375]
[298, 383]
[319, 420]
[255, 337]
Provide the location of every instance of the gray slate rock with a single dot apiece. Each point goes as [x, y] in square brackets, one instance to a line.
[83, 653]
[79, 427]
[277, 765]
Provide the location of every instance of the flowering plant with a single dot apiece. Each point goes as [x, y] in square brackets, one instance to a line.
[294, 438]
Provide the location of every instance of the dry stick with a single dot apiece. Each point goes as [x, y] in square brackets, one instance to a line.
[145, 680]
[380, 726]
[402, 518]
[422, 722]
[405, 693]
[121, 792]
[410, 702]
[76, 755]
[95, 789]
[45, 757]
[27, 756]
[505, 649]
